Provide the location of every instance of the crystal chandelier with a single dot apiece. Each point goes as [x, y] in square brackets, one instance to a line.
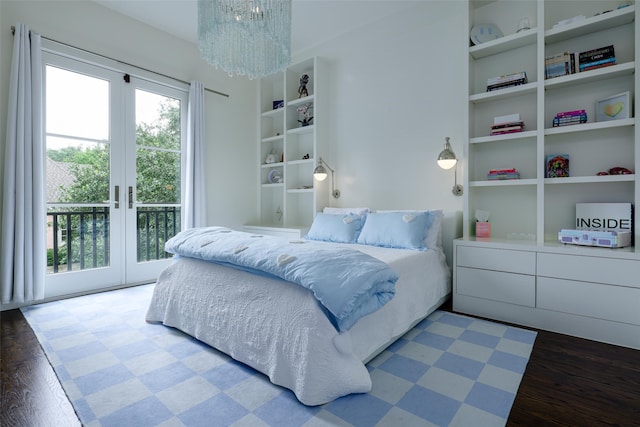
[245, 37]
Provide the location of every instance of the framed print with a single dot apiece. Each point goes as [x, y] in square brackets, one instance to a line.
[614, 107]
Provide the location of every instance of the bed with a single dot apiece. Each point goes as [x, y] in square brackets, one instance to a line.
[280, 329]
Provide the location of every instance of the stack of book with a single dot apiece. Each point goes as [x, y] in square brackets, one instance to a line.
[570, 118]
[596, 58]
[507, 124]
[497, 174]
[565, 63]
[508, 80]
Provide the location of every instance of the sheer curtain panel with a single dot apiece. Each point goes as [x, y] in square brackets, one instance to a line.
[22, 244]
[195, 199]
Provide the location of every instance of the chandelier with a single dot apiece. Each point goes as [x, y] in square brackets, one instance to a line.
[245, 37]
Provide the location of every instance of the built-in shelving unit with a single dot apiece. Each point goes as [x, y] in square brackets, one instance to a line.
[288, 207]
[544, 205]
[522, 274]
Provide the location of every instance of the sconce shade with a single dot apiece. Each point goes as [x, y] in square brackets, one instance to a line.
[320, 173]
[447, 158]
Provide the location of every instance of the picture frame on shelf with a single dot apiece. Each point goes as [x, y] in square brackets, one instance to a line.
[614, 107]
[557, 166]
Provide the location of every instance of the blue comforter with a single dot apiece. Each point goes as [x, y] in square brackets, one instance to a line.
[348, 283]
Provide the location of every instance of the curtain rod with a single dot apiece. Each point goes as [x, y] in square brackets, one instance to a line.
[13, 31]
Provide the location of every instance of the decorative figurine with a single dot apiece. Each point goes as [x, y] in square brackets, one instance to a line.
[302, 89]
[305, 112]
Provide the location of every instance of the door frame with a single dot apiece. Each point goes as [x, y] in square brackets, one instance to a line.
[114, 276]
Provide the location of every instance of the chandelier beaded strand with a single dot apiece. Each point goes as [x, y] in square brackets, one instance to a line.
[245, 37]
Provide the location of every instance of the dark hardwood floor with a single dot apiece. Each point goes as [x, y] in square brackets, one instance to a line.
[568, 382]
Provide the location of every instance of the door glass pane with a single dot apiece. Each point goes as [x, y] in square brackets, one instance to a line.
[158, 162]
[77, 170]
[77, 104]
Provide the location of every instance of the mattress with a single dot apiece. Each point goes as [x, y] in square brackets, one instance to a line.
[279, 329]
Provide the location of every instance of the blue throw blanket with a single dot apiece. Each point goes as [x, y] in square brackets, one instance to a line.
[348, 283]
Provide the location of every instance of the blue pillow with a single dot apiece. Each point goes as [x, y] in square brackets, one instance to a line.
[335, 228]
[404, 230]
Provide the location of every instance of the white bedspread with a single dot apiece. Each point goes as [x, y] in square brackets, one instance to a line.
[279, 329]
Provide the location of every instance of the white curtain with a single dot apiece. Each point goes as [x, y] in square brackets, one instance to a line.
[195, 201]
[23, 234]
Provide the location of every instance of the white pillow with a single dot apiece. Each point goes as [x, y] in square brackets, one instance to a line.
[346, 211]
[434, 234]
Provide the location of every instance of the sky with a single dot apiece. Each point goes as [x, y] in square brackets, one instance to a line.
[78, 105]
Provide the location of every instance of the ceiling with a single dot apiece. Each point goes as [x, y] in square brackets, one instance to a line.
[313, 21]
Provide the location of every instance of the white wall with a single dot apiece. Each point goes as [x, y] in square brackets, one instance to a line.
[397, 90]
[231, 124]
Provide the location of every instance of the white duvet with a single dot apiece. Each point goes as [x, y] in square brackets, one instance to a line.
[278, 328]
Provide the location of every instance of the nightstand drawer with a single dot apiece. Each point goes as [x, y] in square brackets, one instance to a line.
[496, 285]
[615, 303]
[621, 272]
[523, 262]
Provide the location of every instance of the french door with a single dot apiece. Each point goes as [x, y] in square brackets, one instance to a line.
[114, 167]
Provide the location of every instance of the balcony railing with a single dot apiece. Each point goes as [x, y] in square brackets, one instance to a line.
[79, 237]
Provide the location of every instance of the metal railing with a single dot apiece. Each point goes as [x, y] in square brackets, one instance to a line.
[80, 236]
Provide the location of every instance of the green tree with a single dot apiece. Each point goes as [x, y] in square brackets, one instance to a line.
[158, 181]
[157, 165]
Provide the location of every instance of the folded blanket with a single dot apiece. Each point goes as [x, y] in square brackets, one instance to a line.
[348, 284]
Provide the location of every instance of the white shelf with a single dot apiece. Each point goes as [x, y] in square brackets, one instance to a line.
[300, 190]
[301, 130]
[273, 113]
[509, 92]
[591, 25]
[590, 179]
[271, 165]
[504, 44]
[506, 137]
[585, 127]
[503, 183]
[590, 76]
[300, 101]
[300, 162]
[273, 138]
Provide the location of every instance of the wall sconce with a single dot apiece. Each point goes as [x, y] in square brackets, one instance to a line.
[447, 160]
[320, 173]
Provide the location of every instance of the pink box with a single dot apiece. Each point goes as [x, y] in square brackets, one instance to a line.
[483, 229]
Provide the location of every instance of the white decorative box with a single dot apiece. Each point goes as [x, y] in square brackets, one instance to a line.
[604, 216]
[607, 239]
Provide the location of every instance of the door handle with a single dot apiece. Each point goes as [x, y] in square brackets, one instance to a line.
[117, 197]
[130, 197]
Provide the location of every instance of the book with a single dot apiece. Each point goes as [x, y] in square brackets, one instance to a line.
[571, 113]
[508, 128]
[499, 132]
[589, 55]
[507, 78]
[506, 170]
[505, 85]
[508, 124]
[597, 64]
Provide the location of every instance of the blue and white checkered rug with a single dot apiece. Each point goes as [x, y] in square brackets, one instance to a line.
[120, 371]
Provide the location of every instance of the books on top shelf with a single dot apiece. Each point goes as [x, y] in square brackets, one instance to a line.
[508, 80]
[565, 63]
[507, 124]
[499, 174]
[570, 118]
